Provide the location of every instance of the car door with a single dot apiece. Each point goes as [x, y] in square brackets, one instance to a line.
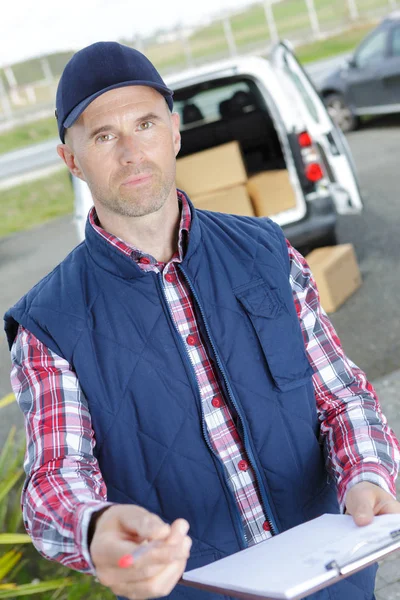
[391, 71]
[365, 90]
[329, 139]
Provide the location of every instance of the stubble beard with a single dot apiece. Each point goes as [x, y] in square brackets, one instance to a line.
[131, 202]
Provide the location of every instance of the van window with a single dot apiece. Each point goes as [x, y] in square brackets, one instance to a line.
[308, 100]
[206, 105]
[225, 110]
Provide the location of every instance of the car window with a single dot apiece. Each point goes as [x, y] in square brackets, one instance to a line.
[372, 50]
[396, 41]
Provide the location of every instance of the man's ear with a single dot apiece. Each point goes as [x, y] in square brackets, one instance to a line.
[65, 152]
[176, 132]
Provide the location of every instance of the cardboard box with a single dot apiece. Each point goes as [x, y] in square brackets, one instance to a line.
[214, 169]
[337, 274]
[234, 200]
[271, 192]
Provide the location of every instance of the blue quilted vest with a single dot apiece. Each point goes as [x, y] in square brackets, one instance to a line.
[111, 322]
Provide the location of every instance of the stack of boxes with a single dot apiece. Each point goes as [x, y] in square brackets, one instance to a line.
[271, 192]
[216, 180]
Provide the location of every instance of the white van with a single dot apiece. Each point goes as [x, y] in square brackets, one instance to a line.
[273, 112]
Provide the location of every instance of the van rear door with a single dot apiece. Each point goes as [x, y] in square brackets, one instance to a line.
[331, 143]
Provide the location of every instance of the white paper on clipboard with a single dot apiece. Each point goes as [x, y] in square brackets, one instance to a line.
[291, 564]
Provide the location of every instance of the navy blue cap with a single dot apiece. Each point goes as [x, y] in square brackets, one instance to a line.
[98, 68]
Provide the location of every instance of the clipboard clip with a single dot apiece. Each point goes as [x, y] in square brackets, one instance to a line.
[344, 568]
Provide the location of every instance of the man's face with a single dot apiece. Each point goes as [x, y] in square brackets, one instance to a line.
[124, 146]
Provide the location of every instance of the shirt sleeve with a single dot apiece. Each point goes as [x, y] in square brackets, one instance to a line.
[63, 485]
[360, 444]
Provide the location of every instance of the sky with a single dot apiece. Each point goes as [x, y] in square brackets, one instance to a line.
[33, 28]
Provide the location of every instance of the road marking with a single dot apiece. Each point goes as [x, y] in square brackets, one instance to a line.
[9, 399]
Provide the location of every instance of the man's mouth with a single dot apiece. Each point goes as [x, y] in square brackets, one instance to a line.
[137, 179]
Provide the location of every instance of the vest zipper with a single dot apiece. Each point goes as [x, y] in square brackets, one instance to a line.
[205, 432]
[267, 506]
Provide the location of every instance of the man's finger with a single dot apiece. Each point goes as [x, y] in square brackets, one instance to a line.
[360, 503]
[179, 530]
[154, 560]
[365, 500]
[160, 585]
[110, 566]
[360, 506]
[389, 507]
[165, 552]
[143, 524]
[363, 513]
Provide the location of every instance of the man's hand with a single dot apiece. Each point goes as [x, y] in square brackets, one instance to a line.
[365, 500]
[119, 531]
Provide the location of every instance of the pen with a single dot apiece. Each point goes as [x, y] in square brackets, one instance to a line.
[129, 559]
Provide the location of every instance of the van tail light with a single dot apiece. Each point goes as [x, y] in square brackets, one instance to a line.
[314, 172]
[305, 140]
[313, 169]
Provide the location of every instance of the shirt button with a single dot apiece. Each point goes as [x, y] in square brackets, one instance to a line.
[144, 260]
[243, 465]
[266, 526]
[191, 340]
[170, 277]
[216, 402]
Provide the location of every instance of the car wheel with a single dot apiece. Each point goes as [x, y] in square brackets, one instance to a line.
[341, 113]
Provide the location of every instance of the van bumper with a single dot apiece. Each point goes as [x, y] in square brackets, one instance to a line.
[318, 223]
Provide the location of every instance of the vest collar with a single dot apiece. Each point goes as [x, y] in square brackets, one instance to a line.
[111, 259]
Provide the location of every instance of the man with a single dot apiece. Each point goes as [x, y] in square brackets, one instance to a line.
[177, 369]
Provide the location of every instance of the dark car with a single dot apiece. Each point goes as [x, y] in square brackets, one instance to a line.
[369, 82]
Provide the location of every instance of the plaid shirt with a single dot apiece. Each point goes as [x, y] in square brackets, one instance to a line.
[64, 485]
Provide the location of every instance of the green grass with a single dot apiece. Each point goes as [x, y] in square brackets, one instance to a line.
[25, 135]
[338, 44]
[35, 202]
[291, 18]
[250, 28]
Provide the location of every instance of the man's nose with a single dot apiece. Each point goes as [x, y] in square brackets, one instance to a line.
[131, 151]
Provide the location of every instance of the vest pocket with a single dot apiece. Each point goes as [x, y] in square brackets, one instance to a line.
[277, 327]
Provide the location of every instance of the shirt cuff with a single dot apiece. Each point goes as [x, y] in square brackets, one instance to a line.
[367, 471]
[81, 526]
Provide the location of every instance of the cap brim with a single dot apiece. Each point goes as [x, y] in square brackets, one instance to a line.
[78, 110]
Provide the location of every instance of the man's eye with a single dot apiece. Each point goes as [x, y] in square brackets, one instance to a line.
[104, 138]
[145, 125]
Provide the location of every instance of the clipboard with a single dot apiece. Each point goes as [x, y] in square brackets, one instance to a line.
[375, 551]
[250, 582]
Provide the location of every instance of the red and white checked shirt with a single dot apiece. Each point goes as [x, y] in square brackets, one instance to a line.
[64, 485]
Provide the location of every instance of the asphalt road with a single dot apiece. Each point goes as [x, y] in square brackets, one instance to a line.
[368, 324]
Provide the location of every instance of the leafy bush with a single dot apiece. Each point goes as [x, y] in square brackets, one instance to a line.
[23, 572]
